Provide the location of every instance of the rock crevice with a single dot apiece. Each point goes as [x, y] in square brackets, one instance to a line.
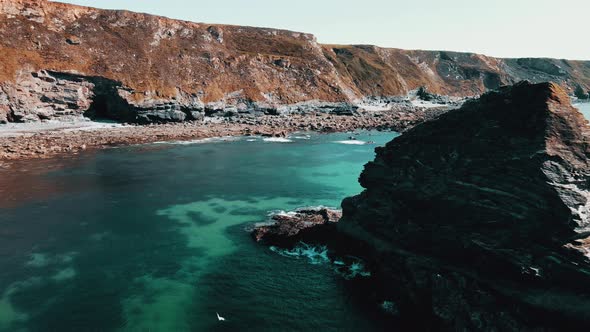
[169, 69]
[479, 220]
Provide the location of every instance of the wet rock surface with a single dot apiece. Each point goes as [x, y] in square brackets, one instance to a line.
[479, 220]
[285, 229]
[50, 143]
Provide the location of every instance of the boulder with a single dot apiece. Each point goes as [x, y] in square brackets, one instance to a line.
[580, 93]
[197, 115]
[287, 228]
[73, 40]
[479, 220]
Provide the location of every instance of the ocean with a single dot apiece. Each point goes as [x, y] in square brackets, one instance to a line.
[155, 237]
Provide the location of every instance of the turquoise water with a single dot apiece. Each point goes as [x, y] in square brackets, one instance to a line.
[584, 108]
[153, 238]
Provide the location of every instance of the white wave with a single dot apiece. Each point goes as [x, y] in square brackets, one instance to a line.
[301, 137]
[352, 142]
[354, 268]
[315, 254]
[315, 208]
[348, 267]
[283, 213]
[277, 139]
[194, 141]
[358, 268]
[293, 213]
[202, 140]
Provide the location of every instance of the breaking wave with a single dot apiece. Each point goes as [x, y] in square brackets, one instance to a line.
[351, 142]
[301, 137]
[349, 267]
[315, 254]
[294, 212]
[202, 140]
[277, 139]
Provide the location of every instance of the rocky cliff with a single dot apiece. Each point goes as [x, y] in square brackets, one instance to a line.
[58, 60]
[479, 220]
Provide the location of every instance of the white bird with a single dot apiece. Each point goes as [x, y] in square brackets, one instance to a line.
[219, 317]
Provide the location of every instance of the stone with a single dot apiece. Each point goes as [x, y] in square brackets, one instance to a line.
[73, 40]
[197, 115]
[287, 228]
[479, 220]
[256, 70]
[580, 93]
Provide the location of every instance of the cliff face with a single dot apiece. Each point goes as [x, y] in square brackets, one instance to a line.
[480, 219]
[162, 67]
[375, 71]
[58, 59]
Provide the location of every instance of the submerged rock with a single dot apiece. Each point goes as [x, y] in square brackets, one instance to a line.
[479, 220]
[287, 228]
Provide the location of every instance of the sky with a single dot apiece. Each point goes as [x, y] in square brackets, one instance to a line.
[502, 28]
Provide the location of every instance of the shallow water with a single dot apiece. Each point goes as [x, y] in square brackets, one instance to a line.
[152, 238]
[584, 108]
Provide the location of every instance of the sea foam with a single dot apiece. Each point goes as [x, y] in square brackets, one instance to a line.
[315, 254]
[277, 139]
[349, 267]
[202, 140]
[352, 142]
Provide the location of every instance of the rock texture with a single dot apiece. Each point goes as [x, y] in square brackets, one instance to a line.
[48, 139]
[58, 60]
[287, 228]
[479, 220]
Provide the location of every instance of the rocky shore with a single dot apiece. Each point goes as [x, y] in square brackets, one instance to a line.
[59, 60]
[49, 143]
[478, 220]
[284, 229]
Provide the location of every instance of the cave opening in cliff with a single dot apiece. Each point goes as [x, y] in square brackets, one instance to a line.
[99, 109]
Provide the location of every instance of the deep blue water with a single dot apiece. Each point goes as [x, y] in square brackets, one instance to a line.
[153, 238]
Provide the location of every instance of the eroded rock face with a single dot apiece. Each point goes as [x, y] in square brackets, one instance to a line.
[287, 228]
[40, 96]
[479, 220]
[168, 70]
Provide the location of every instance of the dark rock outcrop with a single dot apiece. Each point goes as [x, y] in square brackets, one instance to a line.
[287, 228]
[479, 220]
[580, 93]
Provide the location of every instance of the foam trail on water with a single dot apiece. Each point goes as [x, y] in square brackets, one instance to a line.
[277, 139]
[348, 267]
[351, 142]
[301, 137]
[315, 254]
[202, 140]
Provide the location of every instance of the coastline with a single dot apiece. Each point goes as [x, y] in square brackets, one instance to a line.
[34, 144]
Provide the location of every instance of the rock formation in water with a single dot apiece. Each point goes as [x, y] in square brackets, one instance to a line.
[58, 60]
[479, 220]
[285, 229]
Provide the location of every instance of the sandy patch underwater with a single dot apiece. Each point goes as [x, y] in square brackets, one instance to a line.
[133, 238]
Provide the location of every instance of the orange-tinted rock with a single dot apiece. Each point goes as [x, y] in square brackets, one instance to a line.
[159, 69]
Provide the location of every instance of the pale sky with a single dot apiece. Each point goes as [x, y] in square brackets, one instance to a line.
[503, 28]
